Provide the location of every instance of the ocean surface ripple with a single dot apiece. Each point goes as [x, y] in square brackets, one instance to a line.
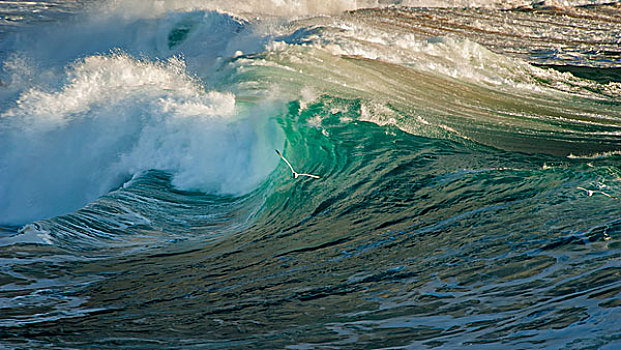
[470, 163]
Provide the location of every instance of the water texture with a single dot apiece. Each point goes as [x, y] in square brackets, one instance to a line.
[469, 160]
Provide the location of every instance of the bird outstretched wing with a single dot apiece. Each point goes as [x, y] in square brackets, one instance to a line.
[295, 174]
[286, 161]
[310, 175]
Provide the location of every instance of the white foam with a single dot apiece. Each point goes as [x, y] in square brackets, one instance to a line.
[294, 8]
[155, 8]
[115, 116]
[595, 155]
[450, 56]
[202, 37]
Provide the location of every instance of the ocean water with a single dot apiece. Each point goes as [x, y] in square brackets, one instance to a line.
[469, 155]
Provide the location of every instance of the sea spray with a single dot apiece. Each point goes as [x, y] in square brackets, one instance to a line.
[116, 116]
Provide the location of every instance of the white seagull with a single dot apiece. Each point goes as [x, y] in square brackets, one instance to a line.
[592, 192]
[294, 174]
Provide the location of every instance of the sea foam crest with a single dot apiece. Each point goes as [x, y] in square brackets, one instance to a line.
[450, 56]
[115, 116]
[288, 8]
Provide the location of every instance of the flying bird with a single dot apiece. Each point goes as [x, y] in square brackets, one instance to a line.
[294, 174]
[592, 192]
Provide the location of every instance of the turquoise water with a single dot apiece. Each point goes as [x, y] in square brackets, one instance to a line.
[468, 196]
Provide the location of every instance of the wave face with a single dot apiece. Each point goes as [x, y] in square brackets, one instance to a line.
[469, 160]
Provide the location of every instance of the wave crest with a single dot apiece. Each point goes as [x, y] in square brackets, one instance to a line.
[115, 116]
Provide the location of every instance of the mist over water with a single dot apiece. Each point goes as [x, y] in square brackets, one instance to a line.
[469, 158]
